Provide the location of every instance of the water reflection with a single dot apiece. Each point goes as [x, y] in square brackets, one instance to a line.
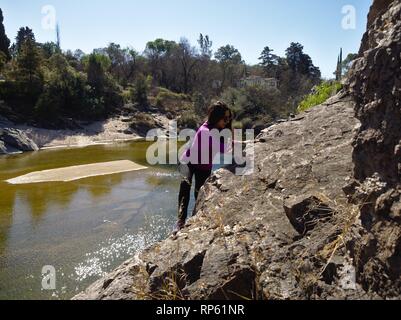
[84, 227]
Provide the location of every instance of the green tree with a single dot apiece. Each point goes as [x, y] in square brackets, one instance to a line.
[3, 60]
[96, 71]
[301, 63]
[269, 62]
[4, 41]
[141, 90]
[339, 70]
[23, 35]
[64, 94]
[49, 49]
[29, 61]
[158, 53]
[123, 62]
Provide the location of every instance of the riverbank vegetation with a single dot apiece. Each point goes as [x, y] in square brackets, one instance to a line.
[43, 85]
[320, 94]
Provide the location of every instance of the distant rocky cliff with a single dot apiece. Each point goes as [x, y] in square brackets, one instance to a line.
[319, 218]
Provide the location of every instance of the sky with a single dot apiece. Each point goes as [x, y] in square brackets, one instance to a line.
[248, 25]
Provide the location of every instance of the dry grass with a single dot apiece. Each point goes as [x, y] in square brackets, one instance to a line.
[345, 215]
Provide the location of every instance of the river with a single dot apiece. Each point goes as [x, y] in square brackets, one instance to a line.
[83, 228]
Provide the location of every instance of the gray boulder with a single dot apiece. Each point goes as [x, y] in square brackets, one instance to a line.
[17, 140]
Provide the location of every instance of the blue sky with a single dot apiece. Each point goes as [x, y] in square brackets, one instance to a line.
[249, 25]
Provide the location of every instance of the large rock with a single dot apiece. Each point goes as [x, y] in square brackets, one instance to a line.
[12, 140]
[375, 85]
[241, 244]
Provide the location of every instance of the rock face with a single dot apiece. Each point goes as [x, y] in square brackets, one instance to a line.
[241, 244]
[13, 140]
[320, 218]
[375, 85]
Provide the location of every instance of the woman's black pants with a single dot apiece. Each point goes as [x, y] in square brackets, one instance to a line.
[188, 172]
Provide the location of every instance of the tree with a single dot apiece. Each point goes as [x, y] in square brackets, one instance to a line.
[123, 62]
[301, 63]
[228, 54]
[3, 60]
[29, 61]
[23, 35]
[187, 57]
[49, 49]
[228, 58]
[158, 53]
[269, 62]
[205, 46]
[64, 94]
[96, 69]
[4, 41]
[105, 92]
[339, 68]
[141, 89]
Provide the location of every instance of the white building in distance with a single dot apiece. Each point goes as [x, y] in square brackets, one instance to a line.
[257, 81]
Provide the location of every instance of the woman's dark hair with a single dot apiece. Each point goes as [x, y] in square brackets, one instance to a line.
[217, 112]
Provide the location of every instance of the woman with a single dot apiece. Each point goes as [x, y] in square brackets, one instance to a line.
[220, 118]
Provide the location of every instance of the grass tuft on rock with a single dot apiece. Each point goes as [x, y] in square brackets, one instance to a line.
[320, 94]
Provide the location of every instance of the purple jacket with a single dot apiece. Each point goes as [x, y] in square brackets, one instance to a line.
[202, 142]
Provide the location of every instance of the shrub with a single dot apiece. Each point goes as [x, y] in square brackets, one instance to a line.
[320, 94]
[141, 90]
[170, 102]
[188, 120]
[142, 123]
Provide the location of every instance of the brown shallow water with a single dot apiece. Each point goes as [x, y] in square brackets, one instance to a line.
[83, 228]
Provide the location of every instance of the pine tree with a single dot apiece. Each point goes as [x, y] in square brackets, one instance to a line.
[269, 62]
[23, 35]
[4, 41]
[339, 69]
[29, 61]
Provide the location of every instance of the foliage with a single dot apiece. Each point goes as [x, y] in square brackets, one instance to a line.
[141, 90]
[171, 103]
[269, 62]
[4, 41]
[252, 104]
[188, 120]
[320, 94]
[142, 123]
[300, 62]
[24, 35]
[44, 83]
[65, 93]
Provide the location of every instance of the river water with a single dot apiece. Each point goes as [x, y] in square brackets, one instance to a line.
[83, 228]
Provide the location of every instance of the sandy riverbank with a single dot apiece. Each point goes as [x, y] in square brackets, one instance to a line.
[108, 131]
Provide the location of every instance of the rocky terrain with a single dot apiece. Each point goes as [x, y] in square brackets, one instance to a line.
[15, 141]
[375, 86]
[17, 138]
[320, 218]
